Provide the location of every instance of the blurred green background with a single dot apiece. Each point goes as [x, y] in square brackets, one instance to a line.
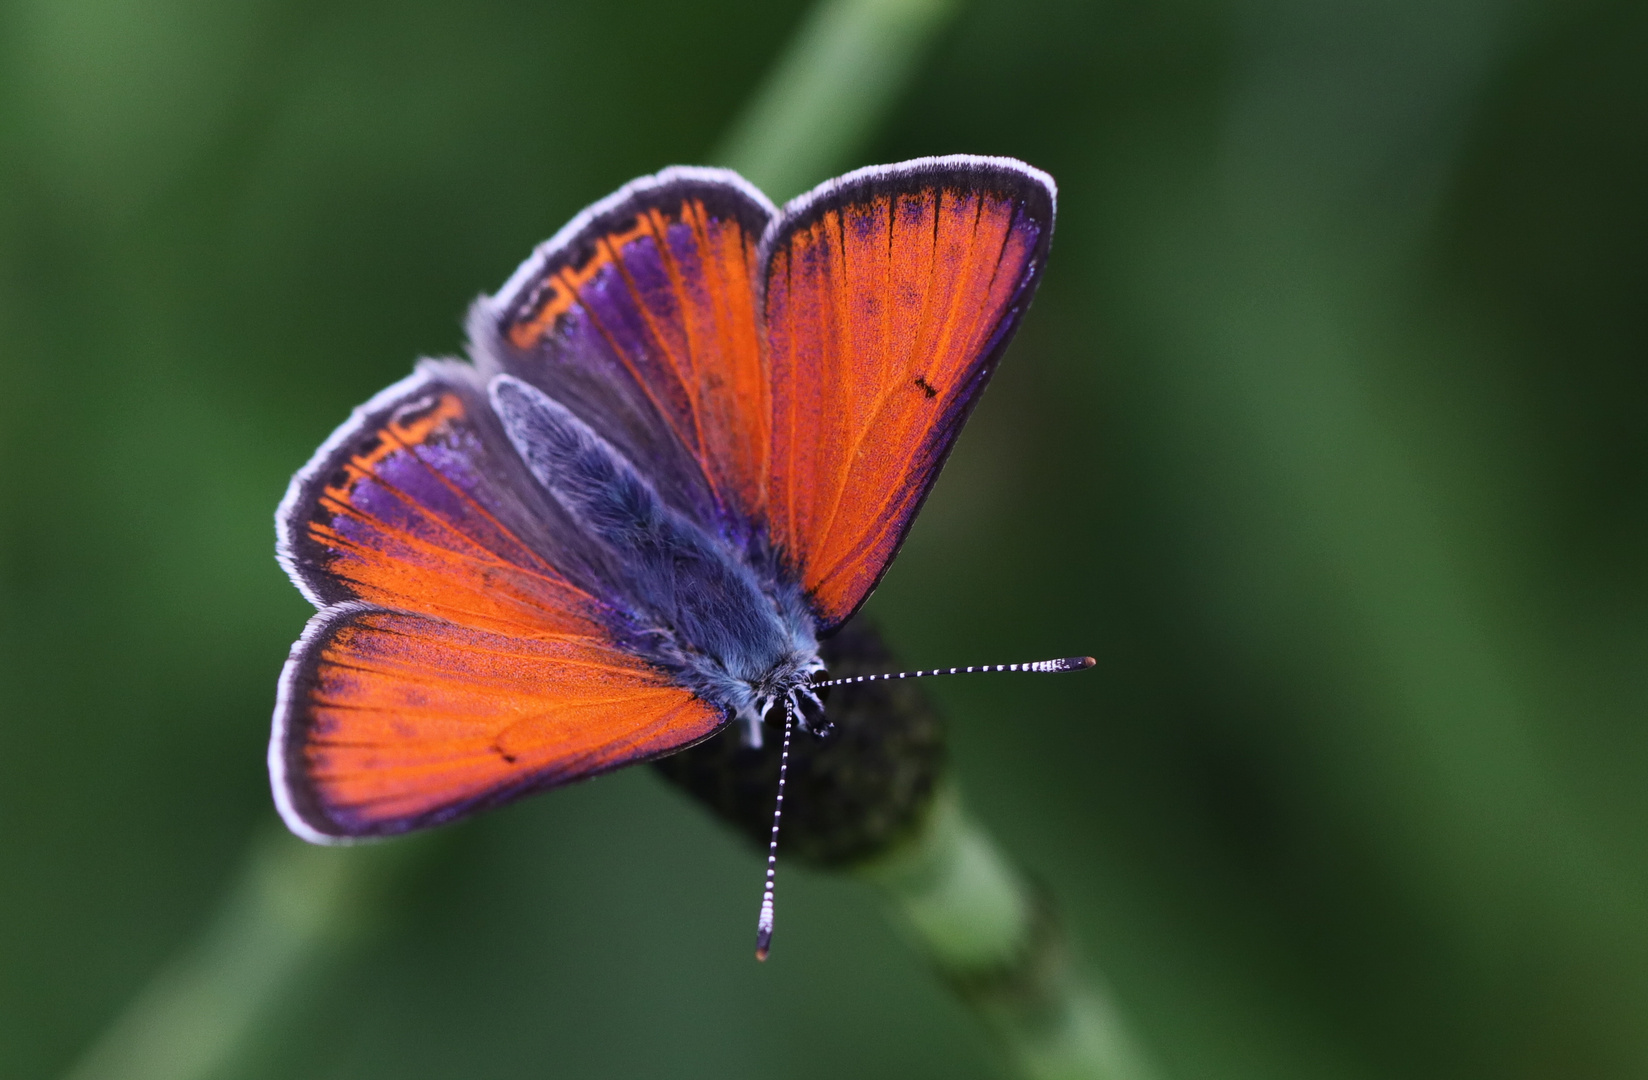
[1328, 435]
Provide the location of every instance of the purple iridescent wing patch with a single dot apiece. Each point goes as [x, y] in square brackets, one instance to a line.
[417, 504]
[641, 317]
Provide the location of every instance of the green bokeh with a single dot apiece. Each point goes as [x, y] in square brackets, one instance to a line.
[1328, 435]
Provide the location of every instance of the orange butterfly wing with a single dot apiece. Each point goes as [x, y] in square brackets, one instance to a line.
[398, 721]
[454, 664]
[890, 295]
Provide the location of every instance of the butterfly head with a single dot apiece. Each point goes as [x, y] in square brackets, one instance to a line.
[789, 675]
[754, 684]
[789, 680]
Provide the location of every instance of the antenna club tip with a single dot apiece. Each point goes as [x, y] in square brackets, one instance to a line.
[1081, 663]
[761, 953]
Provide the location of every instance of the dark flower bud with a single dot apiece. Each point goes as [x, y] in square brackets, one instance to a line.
[853, 793]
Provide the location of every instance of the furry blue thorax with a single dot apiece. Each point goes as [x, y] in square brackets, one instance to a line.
[724, 621]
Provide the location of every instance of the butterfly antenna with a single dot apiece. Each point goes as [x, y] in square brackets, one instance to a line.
[1068, 663]
[764, 922]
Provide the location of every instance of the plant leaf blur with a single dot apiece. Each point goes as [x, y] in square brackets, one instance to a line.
[1328, 435]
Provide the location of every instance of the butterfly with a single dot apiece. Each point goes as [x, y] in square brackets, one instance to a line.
[692, 432]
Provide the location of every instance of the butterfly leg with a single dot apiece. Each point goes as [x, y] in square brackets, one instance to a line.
[752, 729]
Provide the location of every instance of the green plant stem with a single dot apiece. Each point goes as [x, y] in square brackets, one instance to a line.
[997, 941]
[828, 90]
[289, 914]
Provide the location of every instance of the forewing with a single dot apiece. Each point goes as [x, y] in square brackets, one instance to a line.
[889, 296]
[641, 317]
[416, 503]
[389, 721]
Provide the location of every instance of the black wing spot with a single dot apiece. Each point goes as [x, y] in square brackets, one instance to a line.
[926, 387]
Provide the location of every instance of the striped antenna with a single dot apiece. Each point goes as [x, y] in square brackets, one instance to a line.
[1068, 663]
[764, 922]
